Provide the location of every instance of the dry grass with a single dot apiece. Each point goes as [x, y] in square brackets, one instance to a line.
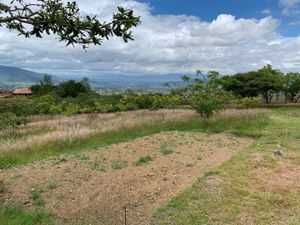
[49, 129]
[237, 113]
[44, 129]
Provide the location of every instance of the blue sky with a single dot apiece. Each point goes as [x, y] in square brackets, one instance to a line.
[208, 10]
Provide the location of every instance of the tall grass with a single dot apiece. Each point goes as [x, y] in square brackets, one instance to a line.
[115, 128]
[46, 130]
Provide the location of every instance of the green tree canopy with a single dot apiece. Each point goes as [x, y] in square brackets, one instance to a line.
[269, 82]
[243, 85]
[291, 86]
[37, 17]
[265, 82]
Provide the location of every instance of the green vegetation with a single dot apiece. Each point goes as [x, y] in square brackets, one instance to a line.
[12, 215]
[244, 124]
[189, 165]
[165, 150]
[244, 185]
[36, 197]
[266, 82]
[76, 97]
[52, 186]
[66, 21]
[142, 160]
[118, 165]
[204, 94]
[207, 93]
[8, 119]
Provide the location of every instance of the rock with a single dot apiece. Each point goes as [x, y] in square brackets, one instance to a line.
[278, 153]
[1, 187]
[26, 202]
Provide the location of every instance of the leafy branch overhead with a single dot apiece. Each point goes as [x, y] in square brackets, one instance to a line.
[55, 17]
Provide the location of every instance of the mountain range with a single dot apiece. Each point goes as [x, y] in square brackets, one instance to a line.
[12, 77]
[14, 74]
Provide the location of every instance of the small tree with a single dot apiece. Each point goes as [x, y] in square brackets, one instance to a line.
[205, 95]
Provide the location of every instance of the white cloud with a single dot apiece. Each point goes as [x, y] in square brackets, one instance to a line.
[266, 12]
[290, 7]
[163, 44]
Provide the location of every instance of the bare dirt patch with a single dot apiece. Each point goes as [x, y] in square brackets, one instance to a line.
[284, 175]
[90, 187]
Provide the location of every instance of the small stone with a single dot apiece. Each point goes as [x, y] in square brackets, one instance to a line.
[278, 153]
[26, 202]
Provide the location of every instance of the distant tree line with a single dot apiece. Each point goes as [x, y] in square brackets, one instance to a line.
[266, 82]
[208, 93]
[70, 88]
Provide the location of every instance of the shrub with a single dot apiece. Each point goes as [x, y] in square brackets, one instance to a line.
[10, 119]
[19, 106]
[207, 105]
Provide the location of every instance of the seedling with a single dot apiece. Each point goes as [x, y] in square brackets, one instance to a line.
[143, 160]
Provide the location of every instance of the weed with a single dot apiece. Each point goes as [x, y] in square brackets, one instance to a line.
[157, 193]
[67, 170]
[211, 173]
[189, 165]
[118, 165]
[81, 157]
[142, 160]
[52, 186]
[36, 197]
[96, 165]
[165, 150]
[71, 134]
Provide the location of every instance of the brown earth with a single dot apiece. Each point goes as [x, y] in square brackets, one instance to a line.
[285, 175]
[85, 187]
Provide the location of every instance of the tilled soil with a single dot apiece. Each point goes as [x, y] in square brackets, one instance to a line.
[95, 186]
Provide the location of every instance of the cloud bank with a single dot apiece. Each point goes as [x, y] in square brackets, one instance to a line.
[163, 44]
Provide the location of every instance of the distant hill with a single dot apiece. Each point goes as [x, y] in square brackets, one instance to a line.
[14, 74]
[13, 77]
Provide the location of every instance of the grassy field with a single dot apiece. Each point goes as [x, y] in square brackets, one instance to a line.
[45, 137]
[254, 187]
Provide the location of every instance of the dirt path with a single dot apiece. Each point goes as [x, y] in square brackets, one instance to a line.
[85, 187]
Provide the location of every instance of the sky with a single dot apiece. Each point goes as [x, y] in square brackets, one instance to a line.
[176, 36]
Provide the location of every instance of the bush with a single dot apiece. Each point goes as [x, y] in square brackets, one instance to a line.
[11, 119]
[207, 105]
[205, 94]
[18, 105]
